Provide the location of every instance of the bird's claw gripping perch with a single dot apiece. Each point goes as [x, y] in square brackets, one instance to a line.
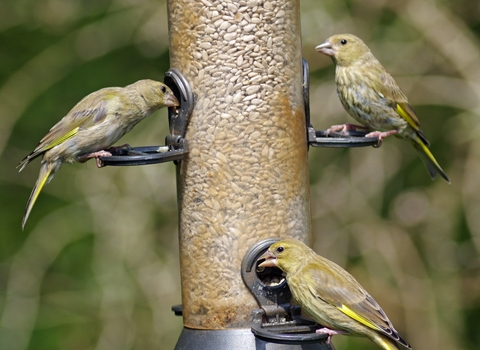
[330, 333]
[345, 128]
[381, 135]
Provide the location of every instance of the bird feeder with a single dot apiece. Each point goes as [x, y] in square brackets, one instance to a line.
[245, 178]
[240, 141]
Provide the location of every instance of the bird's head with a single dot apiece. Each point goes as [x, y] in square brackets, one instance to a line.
[156, 94]
[288, 255]
[345, 49]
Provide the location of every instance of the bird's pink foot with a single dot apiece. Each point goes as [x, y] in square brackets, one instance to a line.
[95, 155]
[104, 153]
[330, 333]
[345, 128]
[381, 135]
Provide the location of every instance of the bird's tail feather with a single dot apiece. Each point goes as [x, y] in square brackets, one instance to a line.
[385, 343]
[47, 170]
[23, 163]
[428, 159]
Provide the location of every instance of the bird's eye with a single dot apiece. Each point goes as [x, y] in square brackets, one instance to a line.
[163, 89]
[343, 41]
[280, 249]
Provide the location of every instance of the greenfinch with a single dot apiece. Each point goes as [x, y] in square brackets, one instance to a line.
[373, 98]
[95, 123]
[331, 295]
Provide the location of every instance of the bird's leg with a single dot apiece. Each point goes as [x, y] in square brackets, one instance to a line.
[119, 149]
[345, 128]
[330, 333]
[381, 135]
[96, 155]
[103, 153]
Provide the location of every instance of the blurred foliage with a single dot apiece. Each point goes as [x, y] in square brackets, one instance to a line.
[97, 267]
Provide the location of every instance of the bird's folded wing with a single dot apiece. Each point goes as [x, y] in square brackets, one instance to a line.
[391, 91]
[340, 289]
[85, 114]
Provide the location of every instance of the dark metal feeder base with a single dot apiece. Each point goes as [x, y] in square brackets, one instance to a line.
[236, 339]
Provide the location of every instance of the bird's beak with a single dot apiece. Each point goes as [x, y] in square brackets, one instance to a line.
[171, 101]
[270, 259]
[326, 48]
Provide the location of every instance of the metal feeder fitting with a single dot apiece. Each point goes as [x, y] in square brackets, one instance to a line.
[319, 138]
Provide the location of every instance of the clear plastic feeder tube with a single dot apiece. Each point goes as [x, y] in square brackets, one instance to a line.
[245, 178]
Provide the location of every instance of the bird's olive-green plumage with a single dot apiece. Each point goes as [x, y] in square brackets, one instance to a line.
[330, 294]
[371, 96]
[94, 124]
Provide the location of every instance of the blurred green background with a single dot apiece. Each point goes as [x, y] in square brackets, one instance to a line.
[97, 265]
